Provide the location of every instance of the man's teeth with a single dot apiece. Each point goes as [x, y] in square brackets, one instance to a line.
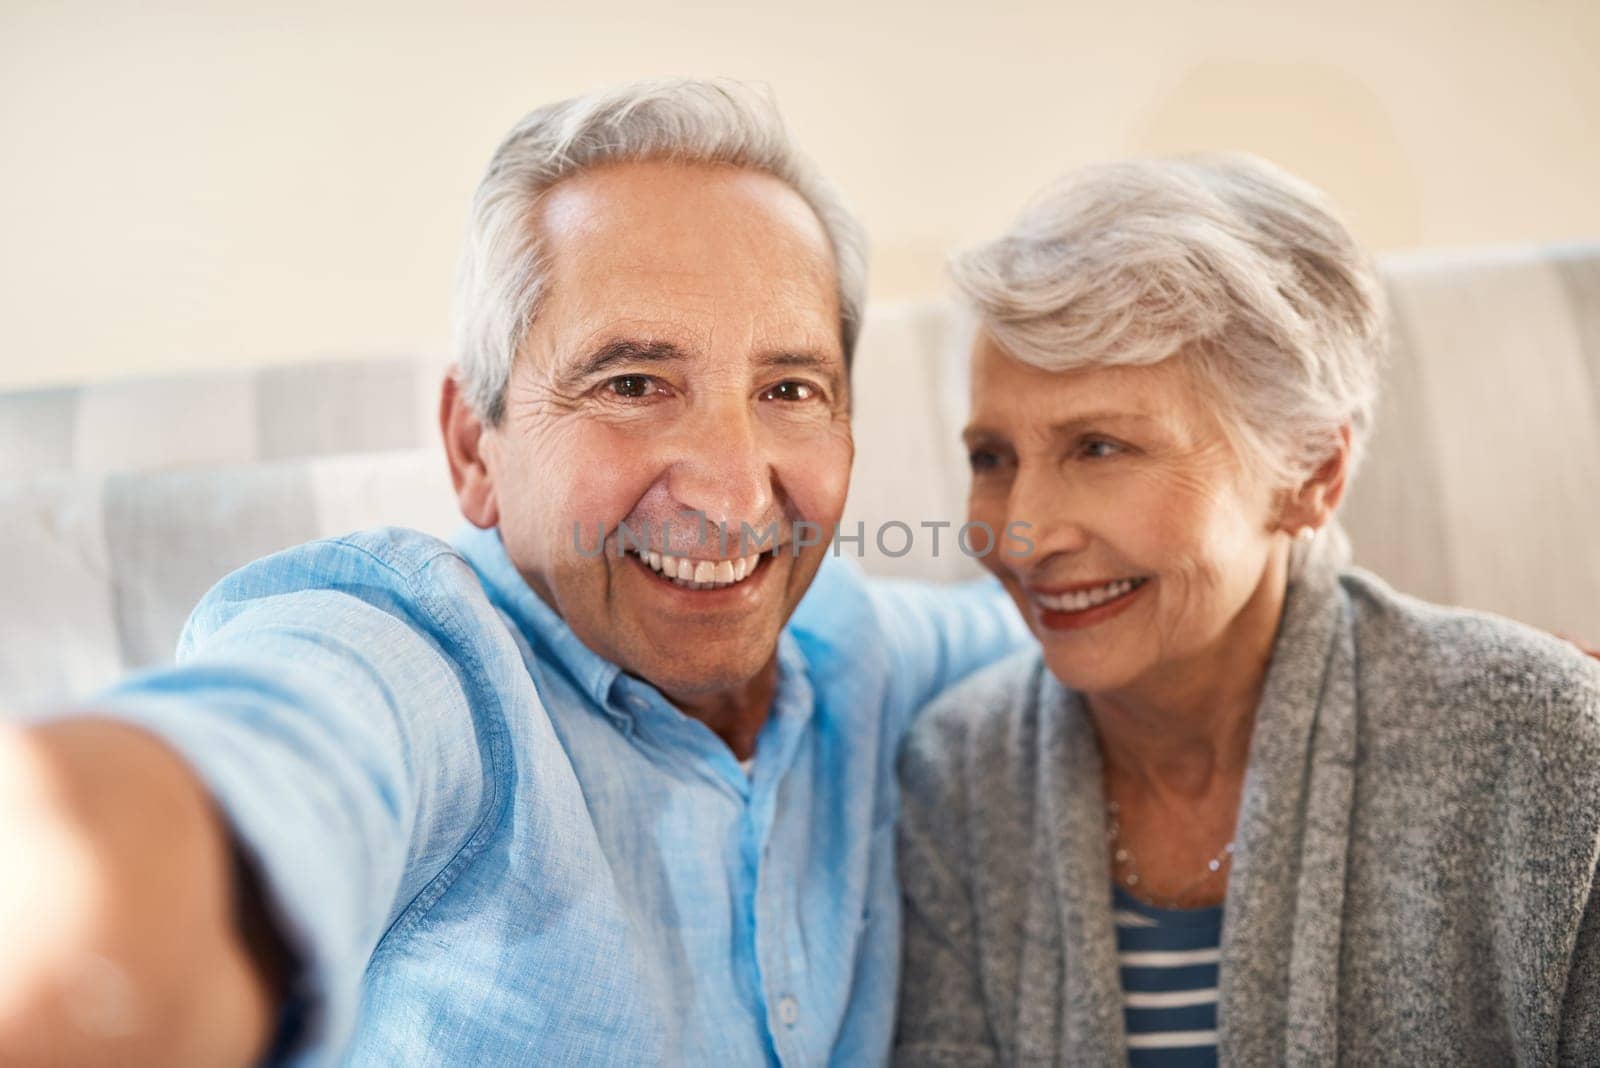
[701, 574]
[1082, 599]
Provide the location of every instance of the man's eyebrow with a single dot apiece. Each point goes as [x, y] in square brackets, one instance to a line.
[626, 350]
[831, 368]
[790, 358]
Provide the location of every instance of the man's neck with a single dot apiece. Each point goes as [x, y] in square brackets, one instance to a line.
[735, 715]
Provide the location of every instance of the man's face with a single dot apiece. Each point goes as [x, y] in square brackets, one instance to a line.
[686, 361]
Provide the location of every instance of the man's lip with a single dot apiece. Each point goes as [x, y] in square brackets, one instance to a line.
[634, 552]
[746, 587]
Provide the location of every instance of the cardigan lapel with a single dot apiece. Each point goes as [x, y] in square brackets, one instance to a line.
[1281, 927]
[1312, 1032]
[1073, 805]
[1285, 898]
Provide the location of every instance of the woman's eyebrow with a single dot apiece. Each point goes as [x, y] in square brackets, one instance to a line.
[977, 432]
[981, 435]
[1107, 415]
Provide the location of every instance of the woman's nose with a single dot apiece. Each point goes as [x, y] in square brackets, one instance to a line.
[1049, 514]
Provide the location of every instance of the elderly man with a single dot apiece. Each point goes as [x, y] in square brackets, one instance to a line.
[526, 797]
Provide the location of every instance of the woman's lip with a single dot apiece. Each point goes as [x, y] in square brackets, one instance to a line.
[1079, 587]
[1058, 620]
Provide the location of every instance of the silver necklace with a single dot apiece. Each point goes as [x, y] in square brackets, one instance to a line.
[1126, 870]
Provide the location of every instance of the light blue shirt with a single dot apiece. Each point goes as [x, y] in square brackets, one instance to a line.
[490, 846]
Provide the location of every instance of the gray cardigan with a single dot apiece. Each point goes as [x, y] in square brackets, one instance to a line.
[1414, 875]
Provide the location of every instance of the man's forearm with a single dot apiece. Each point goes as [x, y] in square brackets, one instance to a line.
[118, 917]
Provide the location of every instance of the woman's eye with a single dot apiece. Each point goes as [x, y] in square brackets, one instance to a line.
[791, 391]
[632, 386]
[1099, 448]
[983, 459]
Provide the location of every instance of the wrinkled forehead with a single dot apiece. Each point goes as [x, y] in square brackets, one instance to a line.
[692, 231]
[687, 251]
[692, 200]
[1010, 396]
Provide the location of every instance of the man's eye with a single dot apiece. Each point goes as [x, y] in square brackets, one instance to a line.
[791, 391]
[632, 386]
[983, 459]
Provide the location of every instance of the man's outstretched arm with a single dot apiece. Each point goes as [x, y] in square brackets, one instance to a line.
[316, 749]
[940, 633]
[124, 941]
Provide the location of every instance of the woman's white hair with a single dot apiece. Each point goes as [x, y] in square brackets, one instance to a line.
[503, 275]
[1227, 260]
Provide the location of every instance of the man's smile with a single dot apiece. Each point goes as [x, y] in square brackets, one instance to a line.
[741, 573]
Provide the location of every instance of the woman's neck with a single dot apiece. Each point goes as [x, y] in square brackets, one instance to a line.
[1180, 732]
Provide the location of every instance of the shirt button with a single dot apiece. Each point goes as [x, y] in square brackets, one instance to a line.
[639, 703]
[788, 1011]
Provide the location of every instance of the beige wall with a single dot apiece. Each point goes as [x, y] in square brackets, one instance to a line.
[185, 188]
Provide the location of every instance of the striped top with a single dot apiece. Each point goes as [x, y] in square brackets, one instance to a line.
[1169, 960]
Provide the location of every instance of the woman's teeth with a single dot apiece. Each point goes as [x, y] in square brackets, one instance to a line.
[1080, 600]
[700, 574]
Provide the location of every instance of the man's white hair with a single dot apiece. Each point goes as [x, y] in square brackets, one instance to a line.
[1228, 260]
[503, 275]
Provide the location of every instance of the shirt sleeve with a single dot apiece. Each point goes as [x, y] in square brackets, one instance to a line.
[937, 634]
[942, 1018]
[323, 696]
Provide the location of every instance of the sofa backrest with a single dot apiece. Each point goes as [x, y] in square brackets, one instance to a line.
[101, 570]
[215, 418]
[1482, 486]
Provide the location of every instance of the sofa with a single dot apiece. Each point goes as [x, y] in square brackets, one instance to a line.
[124, 501]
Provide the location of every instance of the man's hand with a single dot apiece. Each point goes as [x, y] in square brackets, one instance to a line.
[117, 907]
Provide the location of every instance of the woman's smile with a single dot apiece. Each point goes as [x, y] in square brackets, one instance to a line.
[1084, 605]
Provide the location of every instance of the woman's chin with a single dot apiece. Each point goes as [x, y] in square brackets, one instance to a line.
[1086, 672]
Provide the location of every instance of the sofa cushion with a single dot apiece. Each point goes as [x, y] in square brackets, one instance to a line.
[102, 570]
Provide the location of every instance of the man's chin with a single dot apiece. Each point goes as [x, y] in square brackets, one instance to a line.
[703, 659]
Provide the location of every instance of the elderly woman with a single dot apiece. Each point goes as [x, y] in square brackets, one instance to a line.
[1242, 801]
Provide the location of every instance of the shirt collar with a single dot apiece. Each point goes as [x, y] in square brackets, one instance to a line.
[603, 682]
[510, 592]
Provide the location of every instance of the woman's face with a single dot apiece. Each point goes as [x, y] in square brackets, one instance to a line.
[1154, 549]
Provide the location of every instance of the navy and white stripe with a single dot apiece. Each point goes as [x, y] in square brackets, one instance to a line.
[1169, 961]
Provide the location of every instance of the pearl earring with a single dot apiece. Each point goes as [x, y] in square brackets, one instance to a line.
[1307, 533]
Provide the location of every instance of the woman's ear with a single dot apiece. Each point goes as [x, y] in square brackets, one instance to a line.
[1313, 503]
[464, 435]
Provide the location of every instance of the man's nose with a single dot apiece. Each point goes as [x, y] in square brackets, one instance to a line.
[721, 467]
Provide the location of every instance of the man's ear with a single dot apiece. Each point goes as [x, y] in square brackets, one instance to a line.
[1313, 503]
[464, 435]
